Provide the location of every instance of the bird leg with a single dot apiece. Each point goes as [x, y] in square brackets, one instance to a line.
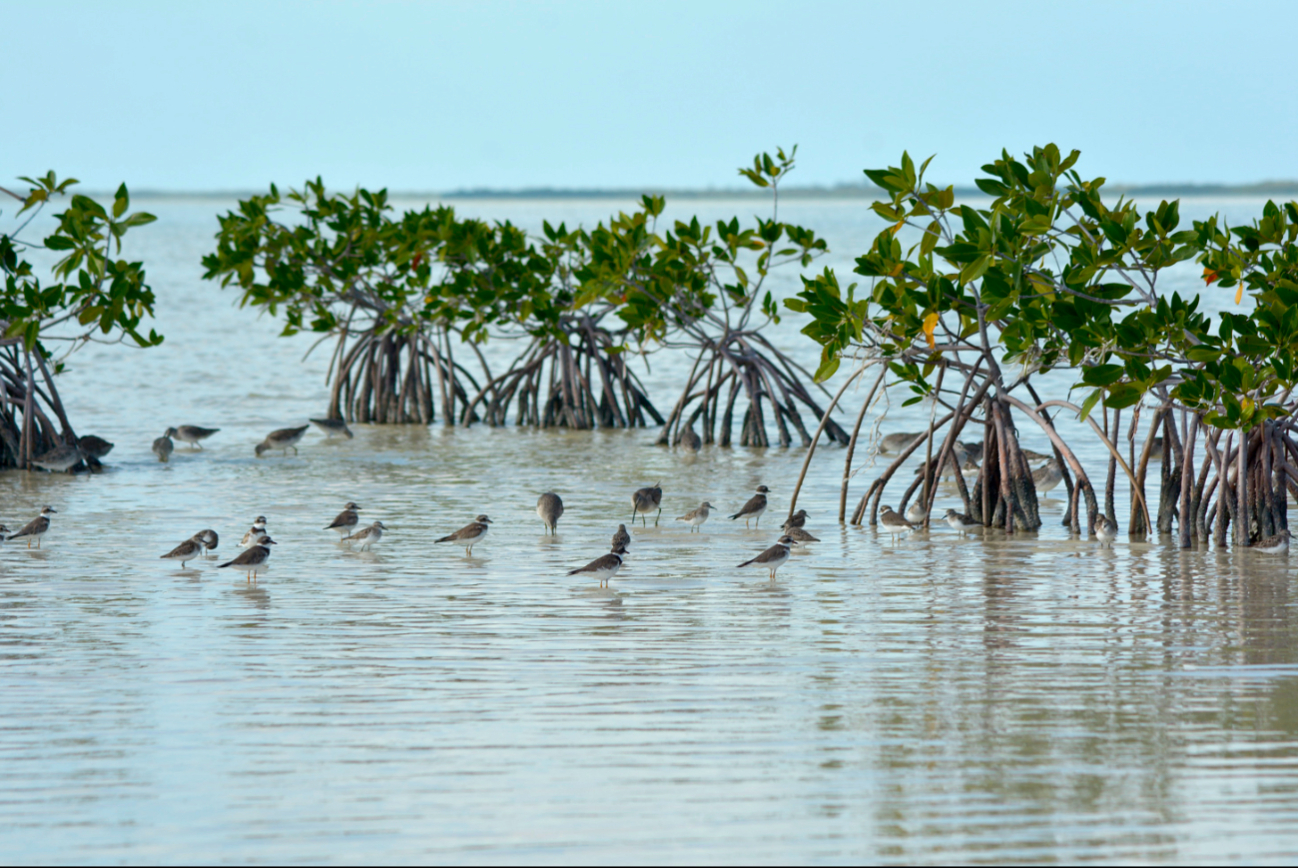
[656, 517]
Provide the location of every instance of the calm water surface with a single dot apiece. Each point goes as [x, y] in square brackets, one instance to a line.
[927, 700]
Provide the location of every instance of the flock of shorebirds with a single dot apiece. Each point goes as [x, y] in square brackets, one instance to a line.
[256, 542]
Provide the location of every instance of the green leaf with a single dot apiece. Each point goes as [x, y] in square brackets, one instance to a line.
[1089, 404]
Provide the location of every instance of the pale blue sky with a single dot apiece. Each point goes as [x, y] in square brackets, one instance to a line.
[437, 96]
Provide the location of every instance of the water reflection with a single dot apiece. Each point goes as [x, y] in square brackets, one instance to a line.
[933, 698]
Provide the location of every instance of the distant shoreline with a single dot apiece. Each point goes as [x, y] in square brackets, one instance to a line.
[841, 191]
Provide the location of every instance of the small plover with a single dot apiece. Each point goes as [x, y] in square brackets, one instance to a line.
[915, 513]
[774, 557]
[800, 535]
[603, 568]
[1273, 545]
[163, 447]
[469, 535]
[251, 559]
[645, 501]
[798, 519]
[753, 509]
[367, 536]
[621, 539]
[60, 459]
[191, 434]
[257, 532]
[37, 527]
[550, 507]
[695, 517]
[1106, 530]
[346, 521]
[893, 523]
[961, 522]
[282, 439]
[899, 441]
[1047, 476]
[94, 447]
[333, 428]
[207, 539]
[1035, 456]
[186, 551]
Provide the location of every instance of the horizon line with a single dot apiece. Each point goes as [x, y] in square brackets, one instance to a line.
[842, 190]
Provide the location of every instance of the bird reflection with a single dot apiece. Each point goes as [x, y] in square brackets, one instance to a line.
[254, 594]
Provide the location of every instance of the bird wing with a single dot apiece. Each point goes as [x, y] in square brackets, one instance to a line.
[36, 525]
[188, 547]
[605, 562]
[767, 556]
[346, 518]
[469, 530]
[755, 503]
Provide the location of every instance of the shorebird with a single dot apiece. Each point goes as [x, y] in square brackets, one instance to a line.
[1273, 545]
[256, 533]
[163, 447]
[892, 523]
[333, 427]
[696, 517]
[798, 519]
[207, 539]
[973, 449]
[94, 447]
[1106, 530]
[800, 535]
[251, 559]
[915, 513]
[284, 439]
[645, 501]
[960, 521]
[690, 440]
[60, 459]
[186, 551]
[753, 509]
[191, 434]
[898, 442]
[550, 507]
[346, 520]
[774, 557]
[1047, 476]
[469, 535]
[37, 527]
[368, 536]
[604, 567]
[621, 539]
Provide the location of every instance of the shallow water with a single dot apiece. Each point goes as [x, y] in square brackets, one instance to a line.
[934, 698]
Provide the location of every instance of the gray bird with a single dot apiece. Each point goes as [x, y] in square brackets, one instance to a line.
[550, 507]
[621, 539]
[207, 539]
[282, 439]
[163, 447]
[333, 427]
[697, 516]
[1273, 545]
[60, 459]
[186, 551]
[798, 519]
[191, 434]
[645, 501]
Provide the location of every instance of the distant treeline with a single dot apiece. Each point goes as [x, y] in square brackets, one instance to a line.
[838, 191]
